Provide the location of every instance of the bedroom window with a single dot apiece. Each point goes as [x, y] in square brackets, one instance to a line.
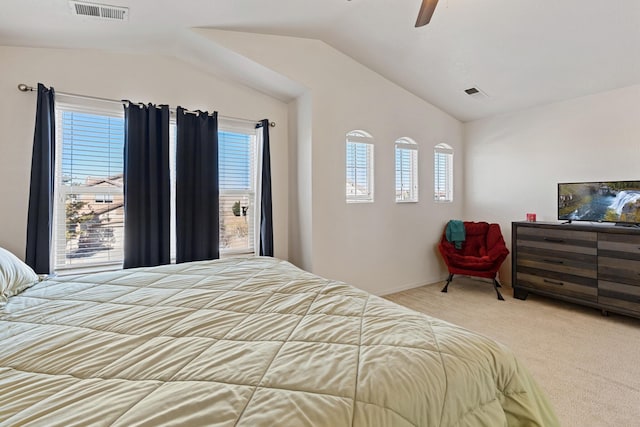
[89, 205]
[443, 173]
[237, 154]
[359, 167]
[406, 170]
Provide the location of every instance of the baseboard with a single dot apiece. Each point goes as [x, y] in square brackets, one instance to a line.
[406, 287]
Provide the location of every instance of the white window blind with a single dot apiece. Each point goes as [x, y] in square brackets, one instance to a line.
[406, 170]
[89, 205]
[359, 167]
[237, 156]
[443, 173]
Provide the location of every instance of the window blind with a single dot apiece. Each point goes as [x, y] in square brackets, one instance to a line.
[443, 173]
[89, 221]
[237, 177]
[359, 168]
[406, 172]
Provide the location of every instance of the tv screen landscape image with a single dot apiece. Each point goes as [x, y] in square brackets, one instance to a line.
[614, 201]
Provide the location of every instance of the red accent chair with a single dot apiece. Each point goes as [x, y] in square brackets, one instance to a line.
[481, 254]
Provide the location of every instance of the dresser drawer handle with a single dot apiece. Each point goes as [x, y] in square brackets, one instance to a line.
[549, 239]
[555, 261]
[553, 282]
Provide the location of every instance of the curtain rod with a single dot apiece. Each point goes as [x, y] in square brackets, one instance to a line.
[25, 88]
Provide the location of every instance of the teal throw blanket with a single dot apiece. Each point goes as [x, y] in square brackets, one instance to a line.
[455, 233]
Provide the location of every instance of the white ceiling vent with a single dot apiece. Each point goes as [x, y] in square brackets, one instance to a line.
[100, 11]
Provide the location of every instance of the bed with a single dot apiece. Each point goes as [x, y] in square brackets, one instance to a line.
[249, 341]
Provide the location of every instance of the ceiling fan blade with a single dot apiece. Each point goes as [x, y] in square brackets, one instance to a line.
[426, 11]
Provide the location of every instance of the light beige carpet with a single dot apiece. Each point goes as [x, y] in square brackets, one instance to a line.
[588, 364]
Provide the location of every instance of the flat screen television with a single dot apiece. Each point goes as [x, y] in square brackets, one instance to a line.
[613, 201]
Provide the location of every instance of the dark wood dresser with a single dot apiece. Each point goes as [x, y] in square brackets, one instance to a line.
[593, 265]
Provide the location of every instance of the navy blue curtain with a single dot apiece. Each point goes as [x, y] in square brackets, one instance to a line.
[147, 190]
[266, 221]
[197, 186]
[40, 216]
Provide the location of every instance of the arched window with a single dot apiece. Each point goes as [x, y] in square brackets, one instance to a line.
[359, 167]
[443, 173]
[406, 170]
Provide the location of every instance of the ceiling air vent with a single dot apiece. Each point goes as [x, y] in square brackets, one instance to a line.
[101, 11]
[474, 92]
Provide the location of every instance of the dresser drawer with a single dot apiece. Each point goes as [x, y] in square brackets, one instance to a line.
[618, 295]
[620, 270]
[582, 242]
[558, 284]
[558, 261]
[619, 245]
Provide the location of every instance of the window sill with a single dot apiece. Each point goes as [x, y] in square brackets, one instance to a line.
[119, 266]
[88, 269]
[231, 254]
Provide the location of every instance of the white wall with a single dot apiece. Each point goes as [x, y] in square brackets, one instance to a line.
[140, 78]
[300, 173]
[384, 246]
[513, 162]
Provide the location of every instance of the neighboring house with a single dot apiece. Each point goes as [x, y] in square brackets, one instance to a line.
[95, 216]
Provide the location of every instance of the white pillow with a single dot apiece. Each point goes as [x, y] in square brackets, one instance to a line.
[15, 275]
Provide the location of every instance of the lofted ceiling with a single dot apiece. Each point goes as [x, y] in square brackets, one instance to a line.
[519, 53]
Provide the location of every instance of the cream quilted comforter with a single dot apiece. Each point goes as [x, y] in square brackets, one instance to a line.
[246, 342]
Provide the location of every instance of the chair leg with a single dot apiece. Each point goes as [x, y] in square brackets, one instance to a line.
[496, 285]
[449, 279]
